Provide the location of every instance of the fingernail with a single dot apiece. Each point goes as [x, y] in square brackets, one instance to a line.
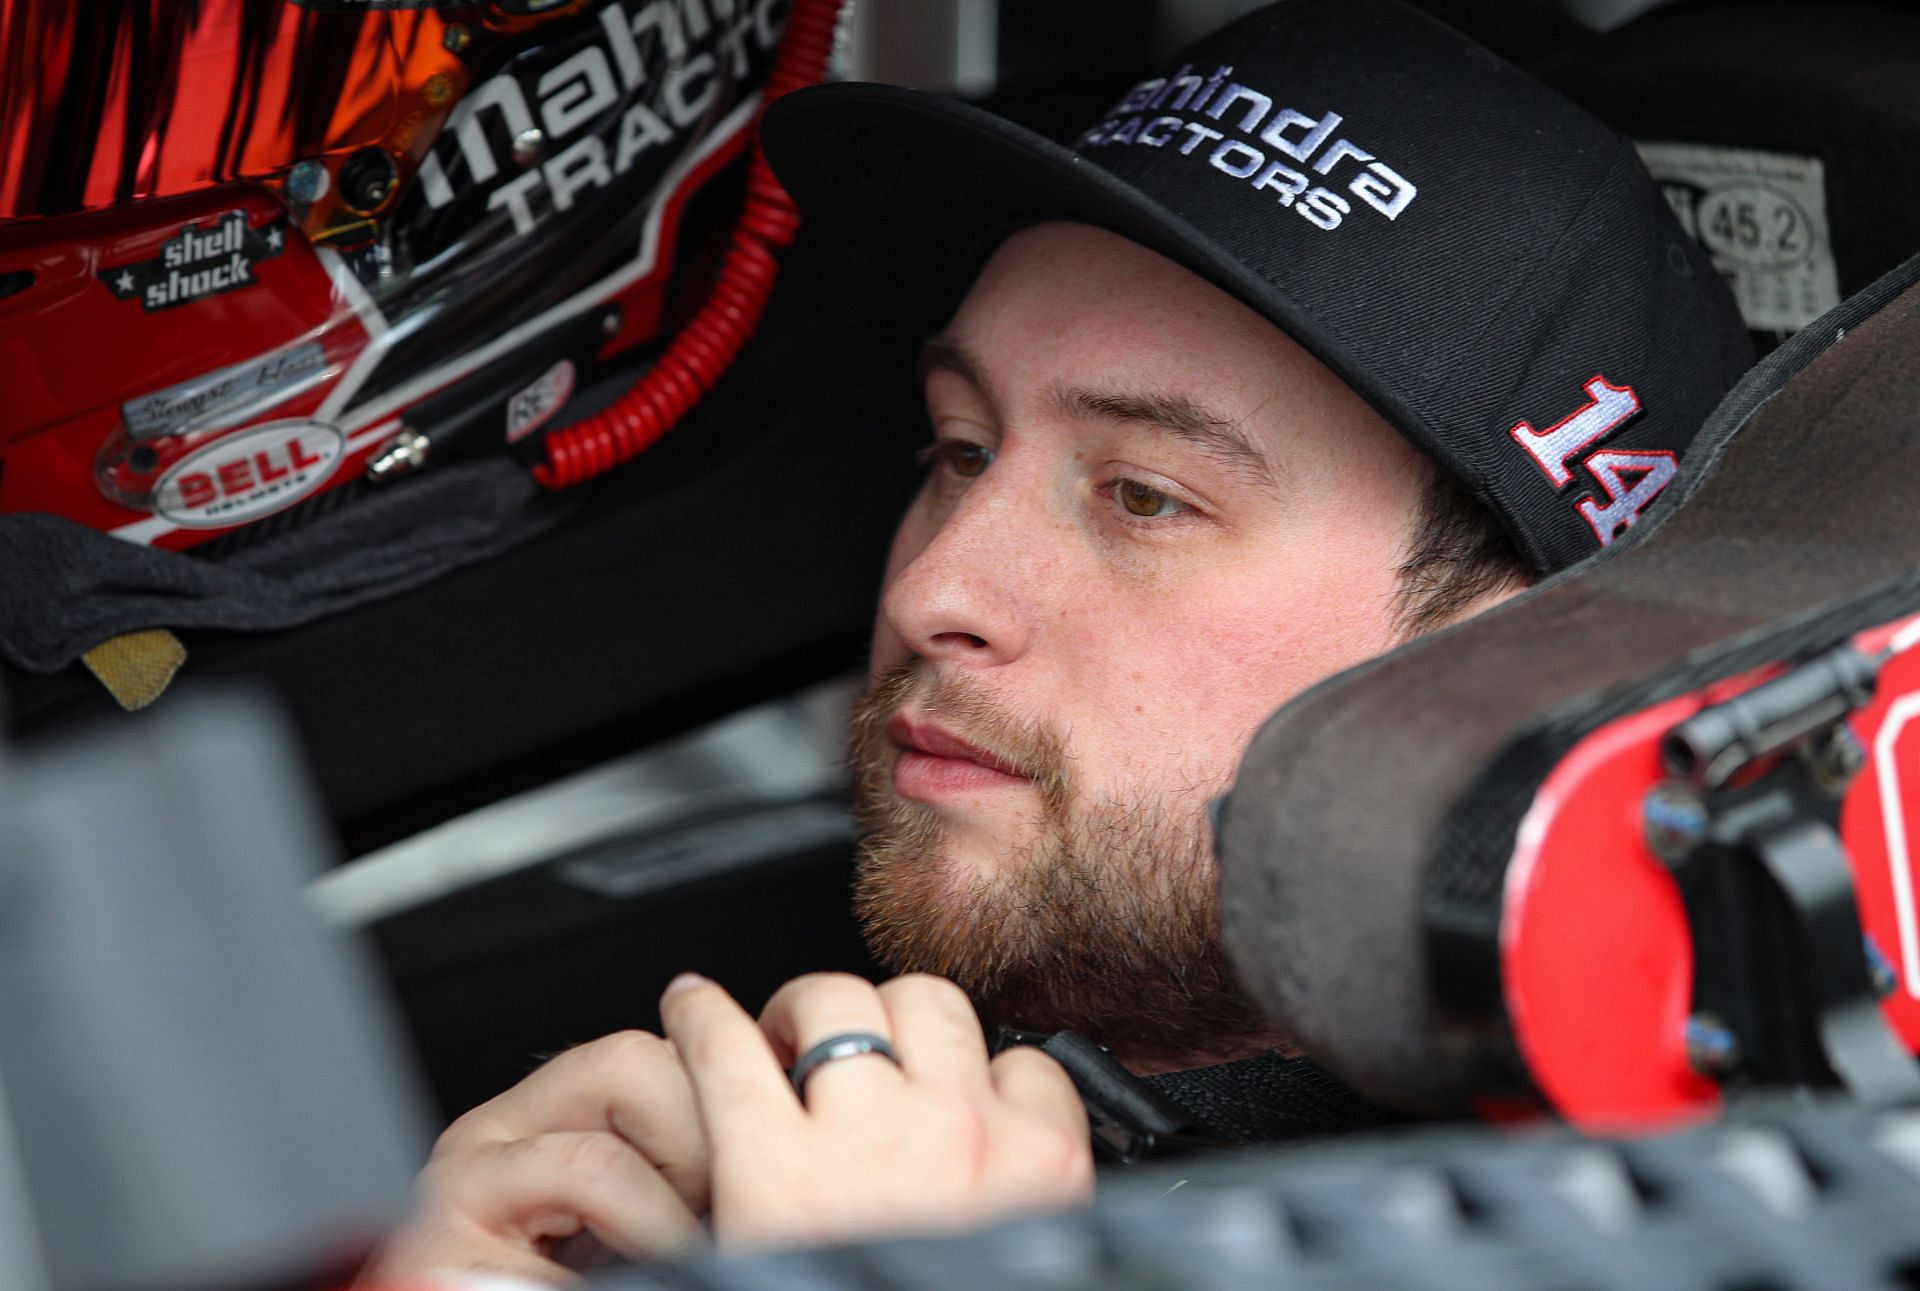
[684, 982]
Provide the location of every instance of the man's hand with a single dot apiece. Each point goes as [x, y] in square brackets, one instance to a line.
[632, 1137]
[603, 1140]
[942, 1140]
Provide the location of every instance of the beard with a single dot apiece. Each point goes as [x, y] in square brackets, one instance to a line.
[1104, 921]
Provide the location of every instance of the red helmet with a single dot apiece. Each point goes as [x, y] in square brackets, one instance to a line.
[253, 249]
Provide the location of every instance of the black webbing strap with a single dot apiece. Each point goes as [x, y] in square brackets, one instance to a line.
[1806, 861]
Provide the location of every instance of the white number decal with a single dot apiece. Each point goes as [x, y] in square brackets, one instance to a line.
[1608, 406]
[1656, 468]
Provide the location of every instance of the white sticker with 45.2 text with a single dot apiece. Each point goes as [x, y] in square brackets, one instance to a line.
[1763, 218]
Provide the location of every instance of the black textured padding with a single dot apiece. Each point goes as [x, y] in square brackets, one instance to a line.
[1780, 1197]
[1348, 813]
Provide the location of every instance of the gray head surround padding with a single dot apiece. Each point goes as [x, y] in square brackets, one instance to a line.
[1327, 839]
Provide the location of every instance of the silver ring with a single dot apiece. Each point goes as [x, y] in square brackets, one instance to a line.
[850, 1044]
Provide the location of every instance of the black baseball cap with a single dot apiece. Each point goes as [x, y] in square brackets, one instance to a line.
[1482, 260]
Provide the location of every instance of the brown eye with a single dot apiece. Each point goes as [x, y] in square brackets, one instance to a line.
[965, 458]
[1140, 500]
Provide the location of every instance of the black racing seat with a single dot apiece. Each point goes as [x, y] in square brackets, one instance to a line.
[1383, 822]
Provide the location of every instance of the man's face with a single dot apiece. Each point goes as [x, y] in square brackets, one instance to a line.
[1151, 519]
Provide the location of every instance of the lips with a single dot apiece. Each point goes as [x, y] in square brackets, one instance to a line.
[933, 763]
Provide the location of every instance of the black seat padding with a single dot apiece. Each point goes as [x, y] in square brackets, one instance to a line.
[1393, 790]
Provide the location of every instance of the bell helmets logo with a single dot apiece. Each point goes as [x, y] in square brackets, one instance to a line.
[250, 474]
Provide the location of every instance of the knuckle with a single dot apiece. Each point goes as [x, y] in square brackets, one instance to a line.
[828, 981]
[610, 1061]
[1053, 1165]
[1075, 1163]
[957, 1121]
[924, 990]
[1032, 1064]
[623, 1052]
[683, 1003]
[831, 989]
[1066, 1149]
[591, 1157]
[1046, 1067]
[711, 1050]
[473, 1126]
[440, 1179]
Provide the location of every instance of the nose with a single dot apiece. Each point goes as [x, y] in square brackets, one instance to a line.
[959, 583]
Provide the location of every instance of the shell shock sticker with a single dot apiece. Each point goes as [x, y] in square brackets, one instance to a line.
[203, 259]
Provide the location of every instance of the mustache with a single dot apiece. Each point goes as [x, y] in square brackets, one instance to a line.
[1033, 748]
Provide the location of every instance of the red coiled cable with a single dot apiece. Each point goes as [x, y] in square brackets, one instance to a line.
[707, 346]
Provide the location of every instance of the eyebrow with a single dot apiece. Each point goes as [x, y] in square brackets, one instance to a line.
[1220, 438]
[944, 354]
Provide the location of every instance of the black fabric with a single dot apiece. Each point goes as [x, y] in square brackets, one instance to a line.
[65, 588]
[1336, 836]
[1468, 249]
[1271, 1097]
